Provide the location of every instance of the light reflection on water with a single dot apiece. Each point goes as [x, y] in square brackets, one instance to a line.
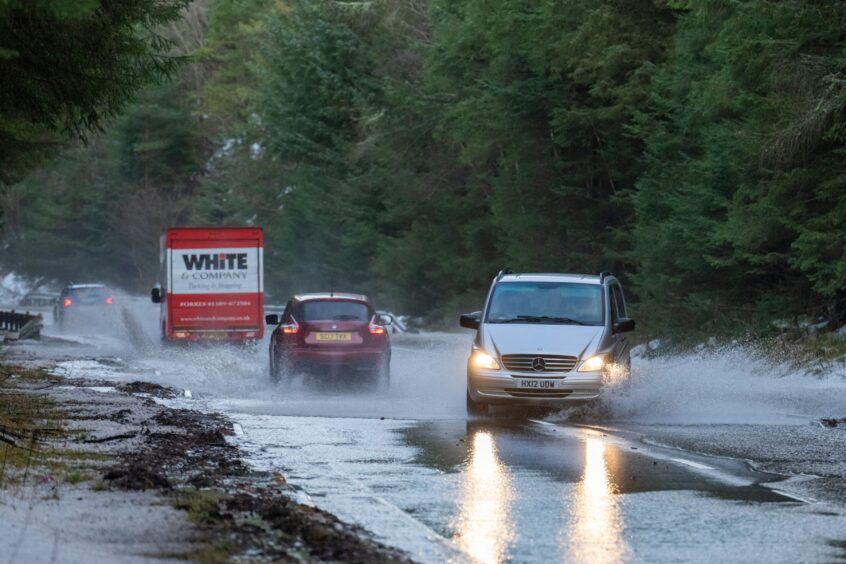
[594, 533]
[484, 528]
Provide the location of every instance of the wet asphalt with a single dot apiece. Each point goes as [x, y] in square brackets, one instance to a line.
[524, 491]
[515, 486]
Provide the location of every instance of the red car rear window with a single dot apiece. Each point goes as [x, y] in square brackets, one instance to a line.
[334, 310]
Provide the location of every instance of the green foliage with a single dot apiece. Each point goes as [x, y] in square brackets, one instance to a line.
[739, 217]
[70, 66]
[409, 149]
[96, 212]
[541, 111]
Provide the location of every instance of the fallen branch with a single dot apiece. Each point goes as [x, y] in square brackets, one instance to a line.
[14, 444]
[8, 441]
[111, 438]
[9, 433]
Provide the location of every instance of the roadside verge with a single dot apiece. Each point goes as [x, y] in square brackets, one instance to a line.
[111, 472]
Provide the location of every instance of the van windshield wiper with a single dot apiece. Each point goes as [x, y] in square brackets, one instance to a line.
[539, 319]
[565, 320]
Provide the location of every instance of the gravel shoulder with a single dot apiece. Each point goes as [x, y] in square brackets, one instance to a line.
[97, 472]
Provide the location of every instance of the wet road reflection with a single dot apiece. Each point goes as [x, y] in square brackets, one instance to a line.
[484, 529]
[595, 531]
[530, 493]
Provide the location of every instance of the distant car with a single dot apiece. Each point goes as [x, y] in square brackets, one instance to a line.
[546, 339]
[398, 323]
[39, 299]
[83, 305]
[328, 331]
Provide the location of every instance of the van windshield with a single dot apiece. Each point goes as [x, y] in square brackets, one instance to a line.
[334, 310]
[546, 302]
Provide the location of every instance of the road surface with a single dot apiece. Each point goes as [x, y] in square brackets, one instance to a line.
[661, 471]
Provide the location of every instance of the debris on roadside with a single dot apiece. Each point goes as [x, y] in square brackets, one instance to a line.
[148, 388]
[123, 442]
[136, 477]
[831, 422]
[206, 477]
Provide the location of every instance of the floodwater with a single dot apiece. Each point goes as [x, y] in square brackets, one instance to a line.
[577, 486]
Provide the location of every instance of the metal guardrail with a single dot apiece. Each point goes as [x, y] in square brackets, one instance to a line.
[39, 299]
[15, 326]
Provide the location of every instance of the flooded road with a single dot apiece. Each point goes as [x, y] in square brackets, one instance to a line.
[581, 486]
[493, 491]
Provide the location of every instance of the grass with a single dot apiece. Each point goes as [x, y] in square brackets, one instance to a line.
[100, 486]
[23, 418]
[217, 552]
[201, 505]
[30, 427]
[76, 476]
[816, 353]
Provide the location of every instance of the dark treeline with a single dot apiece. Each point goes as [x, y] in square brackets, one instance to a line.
[412, 148]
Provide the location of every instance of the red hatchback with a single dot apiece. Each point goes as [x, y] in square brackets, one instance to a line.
[324, 331]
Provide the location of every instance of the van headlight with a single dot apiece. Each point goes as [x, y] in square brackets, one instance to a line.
[594, 363]
[481, 359]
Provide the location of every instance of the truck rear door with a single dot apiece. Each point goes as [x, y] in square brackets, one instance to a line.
[215, 280]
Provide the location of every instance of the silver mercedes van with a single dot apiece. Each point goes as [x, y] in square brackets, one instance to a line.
[547, 340]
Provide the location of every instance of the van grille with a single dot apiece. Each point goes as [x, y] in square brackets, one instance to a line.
[538, 363]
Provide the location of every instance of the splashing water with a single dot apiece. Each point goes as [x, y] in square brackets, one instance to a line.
[731, 385]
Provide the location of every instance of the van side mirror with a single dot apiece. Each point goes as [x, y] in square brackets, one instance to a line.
[624, 325]
[156, 295]
[470, 320]
[271, 319]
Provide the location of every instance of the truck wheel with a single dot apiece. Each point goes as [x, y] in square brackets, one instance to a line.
[475, 407]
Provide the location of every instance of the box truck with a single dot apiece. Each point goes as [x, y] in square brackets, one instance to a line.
[212, 284]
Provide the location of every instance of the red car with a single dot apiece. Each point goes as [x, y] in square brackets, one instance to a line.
[327, 331]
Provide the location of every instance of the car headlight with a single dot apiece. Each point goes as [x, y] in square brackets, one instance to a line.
[481, 359]
[593, 364]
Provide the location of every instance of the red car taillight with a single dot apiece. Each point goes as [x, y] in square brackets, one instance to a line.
[110, 300]
[374, 328]
[67, 302]
[291, 328]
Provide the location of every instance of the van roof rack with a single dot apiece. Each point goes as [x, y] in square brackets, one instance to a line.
[602, 276]
[502, 273]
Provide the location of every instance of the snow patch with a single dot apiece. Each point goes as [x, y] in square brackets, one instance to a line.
[13, 288]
